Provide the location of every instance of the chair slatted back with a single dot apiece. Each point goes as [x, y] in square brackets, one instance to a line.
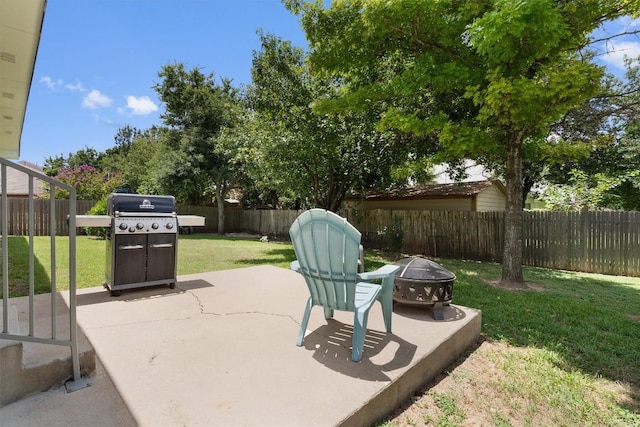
[327, 248]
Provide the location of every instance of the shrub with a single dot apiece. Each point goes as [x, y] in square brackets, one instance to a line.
[100, 208]
[394, 235]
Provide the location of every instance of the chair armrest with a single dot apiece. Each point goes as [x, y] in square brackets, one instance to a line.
[381, 273]
[295, 266]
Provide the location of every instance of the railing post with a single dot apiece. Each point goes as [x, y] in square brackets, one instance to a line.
[73, 328]
[5, 253]
[72, 340]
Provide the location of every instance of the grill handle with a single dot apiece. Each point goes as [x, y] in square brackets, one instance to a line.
[129, 247]
[161, 245]
[145, 214]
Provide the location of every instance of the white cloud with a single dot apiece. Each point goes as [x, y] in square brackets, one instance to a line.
[629, 22]
[50, 83]
[75, 88]
[615, 44]
[141, 106]
[56, 84]
[617, 51]
[95, 100]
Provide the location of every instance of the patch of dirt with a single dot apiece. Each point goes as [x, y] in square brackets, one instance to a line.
[634, 317]
[17, 288]
[478, 390]
[467, 383]
[244, 235]
[516, 286]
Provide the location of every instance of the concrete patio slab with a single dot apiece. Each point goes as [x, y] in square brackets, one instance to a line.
[219, 350]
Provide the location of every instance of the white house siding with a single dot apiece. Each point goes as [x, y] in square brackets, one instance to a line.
[491, 199]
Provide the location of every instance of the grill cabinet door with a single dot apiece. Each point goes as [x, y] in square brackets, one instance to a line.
[129, 258]
[161, 257]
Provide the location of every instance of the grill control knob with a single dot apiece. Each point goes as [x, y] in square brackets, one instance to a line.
[132, 229]
[155, 225]
[169, 225]
[139, 226]
[122, 226]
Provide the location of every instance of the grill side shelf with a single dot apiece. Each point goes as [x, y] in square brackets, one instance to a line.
[191, 221]
[105, 220]
[93, 221]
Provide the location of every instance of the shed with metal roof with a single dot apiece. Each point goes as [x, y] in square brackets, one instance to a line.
[478, 196]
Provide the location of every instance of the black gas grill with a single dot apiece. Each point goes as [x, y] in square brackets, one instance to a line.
[142, 242]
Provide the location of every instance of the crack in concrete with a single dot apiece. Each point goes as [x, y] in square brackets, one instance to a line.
[236, 313]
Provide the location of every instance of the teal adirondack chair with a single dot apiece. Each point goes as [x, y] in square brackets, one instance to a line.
[328, 254]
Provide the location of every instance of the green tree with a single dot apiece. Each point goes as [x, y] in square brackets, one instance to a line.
[125, 137]
[584, 193]
[84, 157]
[483, 78]
[132, 157]
[198, 111]
[319, 158]
[595, 151]
[89, 182]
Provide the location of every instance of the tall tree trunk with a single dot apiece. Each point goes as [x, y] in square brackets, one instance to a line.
[220, 203]
[512, 255]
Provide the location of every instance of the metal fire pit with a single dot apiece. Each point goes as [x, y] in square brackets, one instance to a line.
[422, 282]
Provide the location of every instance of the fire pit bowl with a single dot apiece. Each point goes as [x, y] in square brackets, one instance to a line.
[423, 282]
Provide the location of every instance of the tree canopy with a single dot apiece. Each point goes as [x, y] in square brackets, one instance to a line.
[198, 161]
[482, 78]
[321, 158]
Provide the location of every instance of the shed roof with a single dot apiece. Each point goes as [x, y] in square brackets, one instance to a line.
[455, 189]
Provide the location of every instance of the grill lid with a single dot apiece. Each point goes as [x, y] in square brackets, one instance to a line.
[121, 203]
[422, 269]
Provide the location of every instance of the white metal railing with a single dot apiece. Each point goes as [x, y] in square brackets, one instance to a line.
[70, 341]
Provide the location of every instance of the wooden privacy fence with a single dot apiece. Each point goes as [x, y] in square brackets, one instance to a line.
[18, 216]
[597, 242]
[467, 235]
[274, 223]
[268, 222]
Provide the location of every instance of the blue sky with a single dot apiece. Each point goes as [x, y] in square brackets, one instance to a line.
[98, 61]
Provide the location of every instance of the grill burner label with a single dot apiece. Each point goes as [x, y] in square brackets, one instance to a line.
[146, 204]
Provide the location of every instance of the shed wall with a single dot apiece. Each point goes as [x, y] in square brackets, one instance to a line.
[491, 199]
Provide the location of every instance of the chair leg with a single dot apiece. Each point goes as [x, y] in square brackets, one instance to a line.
[305, 321]
[359, 333]
[386, 299]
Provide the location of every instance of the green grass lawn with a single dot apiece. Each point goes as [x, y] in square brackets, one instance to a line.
[572, 342]
[581, 339]
[196, 253]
